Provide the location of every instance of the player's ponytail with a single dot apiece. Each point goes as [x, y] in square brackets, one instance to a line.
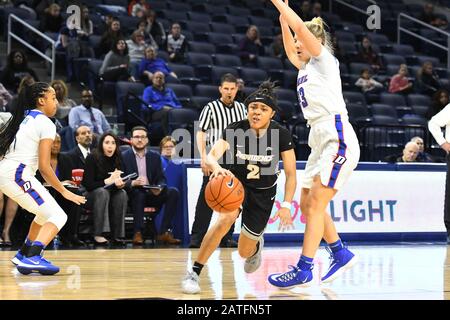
[26, 100]
[317, 27]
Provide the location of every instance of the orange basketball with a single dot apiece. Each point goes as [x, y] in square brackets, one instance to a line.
[224, 194]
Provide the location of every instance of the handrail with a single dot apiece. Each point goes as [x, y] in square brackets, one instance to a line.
[330, 6]
[29, 46]
[400, 29]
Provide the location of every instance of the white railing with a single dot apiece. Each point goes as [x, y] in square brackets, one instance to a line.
[400, 29]
[29, 46]
[330, 6]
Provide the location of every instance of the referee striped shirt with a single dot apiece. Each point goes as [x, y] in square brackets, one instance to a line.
[216, 116]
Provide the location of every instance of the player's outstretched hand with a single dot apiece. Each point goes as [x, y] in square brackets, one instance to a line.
[286, 222]
[74, 197]
[220, 171]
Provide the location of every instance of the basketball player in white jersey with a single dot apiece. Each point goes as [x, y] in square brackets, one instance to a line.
[334, 145]
[25, 144]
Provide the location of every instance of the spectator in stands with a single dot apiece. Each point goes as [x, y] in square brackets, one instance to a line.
[51, 20]
[148, 38]
[250, 47]
[40, 6]
[10, 214]
[439, 101]
[78, 154]
[62, 166]
[70, 40]
[155, 28]
[116, 65]
[317, 9]
[366, 54]
[177, 44]
[107, 21]
[147, 164]
[87, 26]
[150, 64]
[422, 156]
[337, 50]
[276, 48]
[240, 95]
[410, 153]
[5, 98]
[103, 169]
[140, 8]
[16, 68]
[160, 99]
[65, 104]
[86, 115]
[28, 80]
[400, 83]
[136, 50]
[305, 11]
[110, 37]
[167, 150]
[367, 83]
[427, 80]
[428, 16]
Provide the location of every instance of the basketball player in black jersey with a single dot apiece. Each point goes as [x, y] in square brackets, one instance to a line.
[251, 150]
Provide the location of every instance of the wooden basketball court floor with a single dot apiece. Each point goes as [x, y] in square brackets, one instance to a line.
[389, 272]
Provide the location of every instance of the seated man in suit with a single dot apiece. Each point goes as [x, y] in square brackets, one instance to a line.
[83, 136]
[147, 164]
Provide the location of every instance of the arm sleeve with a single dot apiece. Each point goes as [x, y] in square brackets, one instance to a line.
[437, 122]
[160, 177]
[176, 102]
[47, 129]
[106, 63]
[205, 118]
[89, 175]
[105, 124]
[324, 61]
[286, 142]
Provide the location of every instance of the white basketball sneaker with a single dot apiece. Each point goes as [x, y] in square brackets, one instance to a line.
[190, 283]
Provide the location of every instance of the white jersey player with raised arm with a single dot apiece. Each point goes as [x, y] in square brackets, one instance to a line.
[334, 145]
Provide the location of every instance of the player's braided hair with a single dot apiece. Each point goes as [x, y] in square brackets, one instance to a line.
[26, 100]
[265, 94]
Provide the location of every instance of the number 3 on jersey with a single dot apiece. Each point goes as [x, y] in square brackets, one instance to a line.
[302, 98]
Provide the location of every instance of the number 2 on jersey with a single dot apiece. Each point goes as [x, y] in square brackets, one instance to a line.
[301, 98]
[254, 172]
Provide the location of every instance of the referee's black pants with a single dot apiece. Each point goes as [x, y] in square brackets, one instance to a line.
[202, 219]
[447, 197]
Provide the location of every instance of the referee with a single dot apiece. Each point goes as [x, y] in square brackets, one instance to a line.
[442, 119]
[215, 117]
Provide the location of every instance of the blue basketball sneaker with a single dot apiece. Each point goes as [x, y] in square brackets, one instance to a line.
[17, 258]
[292, 278]
[37, 264]
[342, 260]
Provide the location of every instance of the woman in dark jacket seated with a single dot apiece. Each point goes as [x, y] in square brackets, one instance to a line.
[103, 168]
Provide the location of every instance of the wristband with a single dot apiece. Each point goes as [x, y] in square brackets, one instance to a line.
[286, 204]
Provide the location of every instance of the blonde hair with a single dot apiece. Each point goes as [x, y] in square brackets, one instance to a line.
[63, 85]
[317, 27]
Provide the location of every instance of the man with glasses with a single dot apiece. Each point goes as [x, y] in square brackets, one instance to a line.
[147, 164]
[86, 115]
